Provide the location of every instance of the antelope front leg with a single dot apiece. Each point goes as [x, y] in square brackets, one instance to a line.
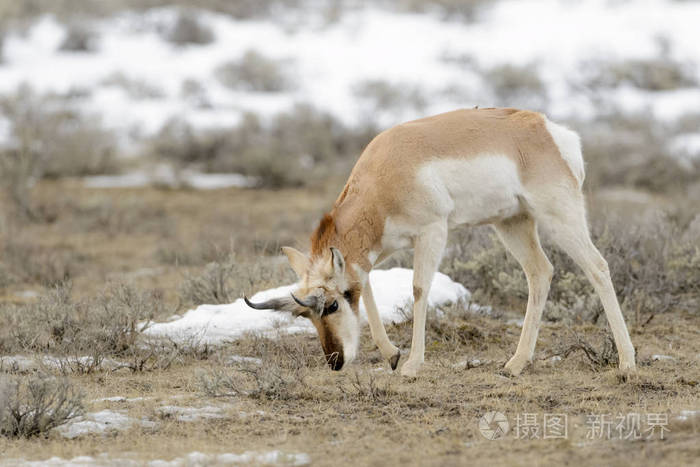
[388, 350]
[428, 247]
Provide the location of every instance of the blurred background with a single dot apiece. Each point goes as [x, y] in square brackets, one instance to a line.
[143, 137]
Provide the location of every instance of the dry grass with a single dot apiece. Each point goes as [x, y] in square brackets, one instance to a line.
[373, 416]
[292, 401]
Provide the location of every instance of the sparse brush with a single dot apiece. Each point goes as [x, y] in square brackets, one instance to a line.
[32, 407]
[657, 74]
[135, 88]
[255, 72]
[517, 86]
[212, 286]
[228, 279]
[266, 382]
[29, 262]
[219, 383]
[291, 352]
[652, 264]
[274, 383]
[634, 151]
[598, 358]
[464, 10]
[188, 29]
[383, 97]
[51, 140]
[79, 335]
[78, 39]
[367, 390]
[302, 146]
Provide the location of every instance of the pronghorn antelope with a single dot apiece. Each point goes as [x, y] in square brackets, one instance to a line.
[513, 169]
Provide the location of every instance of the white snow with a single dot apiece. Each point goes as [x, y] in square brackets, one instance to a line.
[392, 288]
[686, 147]
[192, 459]
[467, 364]
[233, 359]
[191, 414]
[121, 399]
[100, 423]
[658, 357]
[327, 61]
[688, 414]
[166, 176]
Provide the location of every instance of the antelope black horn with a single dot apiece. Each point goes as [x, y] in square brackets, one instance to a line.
[310, 302]
[268, 305]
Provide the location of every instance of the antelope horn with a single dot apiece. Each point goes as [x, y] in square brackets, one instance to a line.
[310, 302]
[279, 304]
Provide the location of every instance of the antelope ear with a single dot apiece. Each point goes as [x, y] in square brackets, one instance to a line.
[297, 260]
[338, 261]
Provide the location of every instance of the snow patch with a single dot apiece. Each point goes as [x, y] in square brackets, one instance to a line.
[657, 357]
[191, 414]
[100, 423]
[166, 176]
[233, 359]
[121, 399]
[376, 44]
[193, 459]
[688, 414]
[392, 288]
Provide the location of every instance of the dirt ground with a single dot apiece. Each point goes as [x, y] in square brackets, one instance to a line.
[366, 414]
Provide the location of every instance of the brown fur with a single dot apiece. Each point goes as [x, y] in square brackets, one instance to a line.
[386, 170]
[417, 293]
[332, 349]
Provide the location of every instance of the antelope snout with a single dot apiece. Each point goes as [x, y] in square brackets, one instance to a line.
[335, 360]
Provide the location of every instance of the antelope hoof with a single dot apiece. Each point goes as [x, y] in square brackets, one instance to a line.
[516, 365]
[410, 368]
[627, 366]
[394, 361]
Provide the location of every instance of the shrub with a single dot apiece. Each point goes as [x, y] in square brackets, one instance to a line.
[653, 264]
[368, 390]
[255, 72]
[228, 279]
[31, 407]
[219, 383]
[633, 150]
[515, 85]
[136, 89]
[78, 39]
[266, 382]
[382, 97]
[298, 147]
[188, 29]
[465, 10]
[79, 334]
[212, 286]
[656, 74]
[28, 262]
[51, 140]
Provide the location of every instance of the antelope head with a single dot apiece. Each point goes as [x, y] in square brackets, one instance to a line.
[328, 294]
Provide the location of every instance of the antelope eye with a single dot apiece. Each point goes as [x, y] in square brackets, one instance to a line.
[332, 308]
